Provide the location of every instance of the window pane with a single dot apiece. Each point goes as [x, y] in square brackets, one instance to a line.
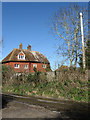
[21, 57]
[44, 66]
[25, 66]
[16, 65]
[34, 65]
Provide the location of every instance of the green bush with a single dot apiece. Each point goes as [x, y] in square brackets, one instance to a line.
[7, 74]
[30, 78]
[68, 85]
[34, 78]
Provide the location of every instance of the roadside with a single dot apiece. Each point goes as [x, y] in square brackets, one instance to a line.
[67, 84]
[34, 107]
[17, 109]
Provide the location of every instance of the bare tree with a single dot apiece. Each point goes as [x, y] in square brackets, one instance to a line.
[66, 24]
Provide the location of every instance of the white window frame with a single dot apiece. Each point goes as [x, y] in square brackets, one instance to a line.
[34, 65]
[16, 66]
[21, 57]
[44, 66]
[25, 66]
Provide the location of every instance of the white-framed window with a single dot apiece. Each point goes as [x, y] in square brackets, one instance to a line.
[16, 66]
[21, 56]
[34, 65]
[44, 66]
[25, 66]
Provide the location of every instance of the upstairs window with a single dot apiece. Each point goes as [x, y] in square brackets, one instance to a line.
[26, 66]
[16, 65]
[21, 56]
[44, 66]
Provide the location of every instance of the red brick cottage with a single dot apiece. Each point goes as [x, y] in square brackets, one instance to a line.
[25, 60]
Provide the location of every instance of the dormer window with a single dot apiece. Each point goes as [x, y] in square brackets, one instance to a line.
[21, 56]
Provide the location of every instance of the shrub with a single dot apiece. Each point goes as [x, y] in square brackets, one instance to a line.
[55, 74]
[34, 78]
[30, 78]
[48, 68]
[7, 74]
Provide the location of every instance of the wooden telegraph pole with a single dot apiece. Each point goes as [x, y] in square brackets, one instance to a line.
[82, 35]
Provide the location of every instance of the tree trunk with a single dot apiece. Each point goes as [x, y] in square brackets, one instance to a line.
[70, 62]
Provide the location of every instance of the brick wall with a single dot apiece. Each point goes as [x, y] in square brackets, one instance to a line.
[30, 66]
[21, 66]
[39, 67]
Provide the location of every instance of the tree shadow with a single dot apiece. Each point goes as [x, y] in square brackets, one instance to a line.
[5, 100]
[74, 111]
[77, 111]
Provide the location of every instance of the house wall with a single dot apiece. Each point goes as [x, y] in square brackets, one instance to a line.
[39, 67]
[21, 66]
[30, 66]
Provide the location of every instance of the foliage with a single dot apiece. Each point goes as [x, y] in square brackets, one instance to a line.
[55, 74]
[67, 86]
[34, 78]
[7, 74]
[48, 68]
[30, 78]
[87, 57]
[81, 61]
[62, 68]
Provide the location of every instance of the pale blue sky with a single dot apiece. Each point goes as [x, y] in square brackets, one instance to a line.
[28, 23]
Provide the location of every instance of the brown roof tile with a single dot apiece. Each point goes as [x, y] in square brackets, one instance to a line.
[29, 56]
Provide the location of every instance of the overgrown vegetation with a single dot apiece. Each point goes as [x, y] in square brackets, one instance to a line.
[7, 74]
[63, 85]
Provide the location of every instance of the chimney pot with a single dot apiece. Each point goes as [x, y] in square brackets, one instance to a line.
[29, 47]
[20, 46]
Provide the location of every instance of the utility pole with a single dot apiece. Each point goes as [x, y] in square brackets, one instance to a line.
[82, 35]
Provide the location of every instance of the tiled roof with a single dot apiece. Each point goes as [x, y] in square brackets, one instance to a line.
[29, 56]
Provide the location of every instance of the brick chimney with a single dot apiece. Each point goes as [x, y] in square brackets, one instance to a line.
[20, 46]
[29, 47]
